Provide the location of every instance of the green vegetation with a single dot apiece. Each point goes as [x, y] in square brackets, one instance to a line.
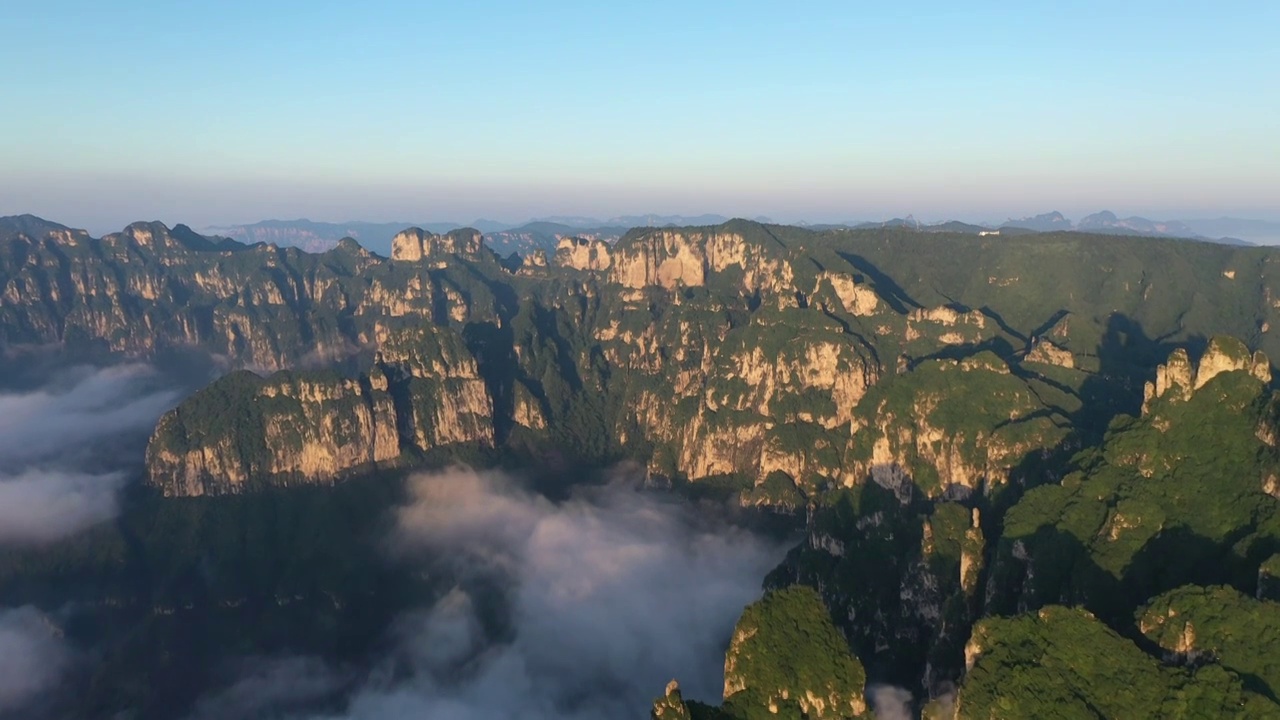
[1063, 663]
[1220, 624]
[177, 587]
[957, 419]
[1172, 498]
[786, 661]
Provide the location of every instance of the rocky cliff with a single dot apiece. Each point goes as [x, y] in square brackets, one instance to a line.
[244, 431]
[1178, 379]
[685, 258]
[150, 288]
[416, 244]
[742, 350]
[583, 254]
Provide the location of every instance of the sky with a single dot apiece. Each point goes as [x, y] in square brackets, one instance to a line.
[228, 112]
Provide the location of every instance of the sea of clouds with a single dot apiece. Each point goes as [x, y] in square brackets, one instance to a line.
[613, 592]
[67, 446]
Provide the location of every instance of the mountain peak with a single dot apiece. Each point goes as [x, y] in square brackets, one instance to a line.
[36, 228]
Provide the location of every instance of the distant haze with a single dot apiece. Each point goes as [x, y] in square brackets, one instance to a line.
[214, 114]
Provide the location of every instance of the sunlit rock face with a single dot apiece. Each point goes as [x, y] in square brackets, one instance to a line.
[416, 244]
[582, 254]
[740, 350]
[1178, 378]
[680, 258]
[422, 393]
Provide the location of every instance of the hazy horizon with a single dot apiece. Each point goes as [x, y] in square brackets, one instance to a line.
[234, 113]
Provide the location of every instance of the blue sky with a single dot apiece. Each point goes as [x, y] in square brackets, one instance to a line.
[224, 112]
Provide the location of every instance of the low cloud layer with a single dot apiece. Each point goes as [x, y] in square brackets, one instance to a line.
[41, 506]
[33, 657]
[272, 687]
[615, 592]
[609, 595]
[890, 702]
[63, 447]
[80, 407]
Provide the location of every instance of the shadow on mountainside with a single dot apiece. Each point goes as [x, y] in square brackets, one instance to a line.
[1054, 567]
[900, 610]
[1127, 359]
[892, 292]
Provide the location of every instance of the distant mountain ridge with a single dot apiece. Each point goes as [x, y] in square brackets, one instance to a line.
[545, 233]
[503, 238]
[321, 236]
[1259, 232]
[651, 220]
[1107, 222]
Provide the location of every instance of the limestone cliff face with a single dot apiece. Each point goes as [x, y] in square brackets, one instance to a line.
[748, 408]
[958, 426]
[679, 258]
[583, 254]
[1229, 355]
[1044, 350]
[289, 428]
[948, 325]
[422, 393]
[415, 244]
[856, 298]
[528, 410]
[538, 258]
[1177, 378]
[151, 288]
[448, 400]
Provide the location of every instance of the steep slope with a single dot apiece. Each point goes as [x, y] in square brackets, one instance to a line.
[1063, 663]
[785, 660]
[150, 288]
[1183, 494]
[1193, 624]
[243, 432]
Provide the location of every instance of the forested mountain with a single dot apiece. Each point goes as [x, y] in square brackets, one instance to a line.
[971, 431]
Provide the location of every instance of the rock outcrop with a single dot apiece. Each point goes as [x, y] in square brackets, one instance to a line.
[416, 244]
[1177, 379]
[671, 705]
[306, 427]
[1044, 350]
[583, 254]
[951, 426]
[786, 652]
[856, 298]
[680, 258]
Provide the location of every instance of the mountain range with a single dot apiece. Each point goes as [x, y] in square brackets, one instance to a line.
[1018, 476]
[504, 238]
[544, 233]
